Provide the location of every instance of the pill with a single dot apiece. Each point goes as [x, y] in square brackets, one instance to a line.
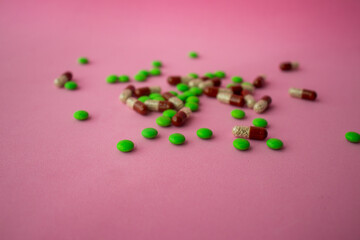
[182, 87]
[158, 106]
[259, 81]
[192, 105]
[83, 60]
[169, 113]
[289, 66]
[249, 99]
[257, 133]
[174, 80]
[112, 79]
[303, 94]
[124, 78]
[209, 75]
[231, 99]
[145, 91]
[136, 105]
[193, 75]
[220, 74]
[241, 144]
[155, 72]
[274, 143]
[157, 64]
[213, 91]
[125, 146]
[260, 122]
[353, 137]
[71, 85]
[140, 77]
[182, 97]
[237, 79]
[197, 81]
[143, 98]
[173, 93]
[149, 133]
[204, 133]
[144, 72]
[177, 138]
[65, 77]
[248, 87]
[154, 95]
[193, 99]
[197, 91]
[238, 113]
[263, 104]
[215, 82]
[181, 116]
[163, 121]
[193, 54]
[126, 93]
[178, 104]
[81, 115]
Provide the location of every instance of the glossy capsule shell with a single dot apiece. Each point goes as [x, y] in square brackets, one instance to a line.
[126, 93]
[158, 106]
[174, 80]
[259, 82]
[136, 105]
[251, 132]
[181, 116]
[65, 77]
[289, 66]
[178, 104]
[262, 105]
[232, 99]
[215, 82]
[213, 91]
[249, 99]
[145, 91]
[248, 87]
[195, 82]
[303, 94]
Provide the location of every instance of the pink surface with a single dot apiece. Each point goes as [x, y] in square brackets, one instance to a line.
[64, 179]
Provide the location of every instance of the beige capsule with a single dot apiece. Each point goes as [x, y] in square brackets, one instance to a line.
[60, 81]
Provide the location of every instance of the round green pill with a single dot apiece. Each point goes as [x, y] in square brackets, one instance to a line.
[157, 64]
[177, 138]
[143, 98]
[173, 93]
[238, 114]
[155, 72]
[158, 98]
[124, 78]
[204, 133]
[70, 85]
[220, 74]
[182, 87]
[193, 75]
[125, 146]
[241, 144]
[154, 95]
[182, 97]
[192, 105]
[193, 99]
[353, 137]
[81, 115]
[83, 60]
[260, 122]
[112, 79]
[209, 75]
[169, 113]
[237, 79]
[274, 143]
[196, 90]
[189, 93]
[144, 72]
[231, 85]
[140, 77]
[163, 121]
[193, 55]
[149, 133]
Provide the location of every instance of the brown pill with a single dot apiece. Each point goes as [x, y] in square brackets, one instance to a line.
[136, 105]
[230, 98]
[257, 133]
[303, 93]
[259, 81]
[145, 91]
[289, 66]
[174, 80]
[181, 116]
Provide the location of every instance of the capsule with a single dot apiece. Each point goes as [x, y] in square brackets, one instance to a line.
[248, 87]
[215, 82]
[195, 82]
[263, 104]
[158, 106]
[249, 99]
[126, 93]
[259, 81]
[289, 66]
[136, 105]
[178, 104]
[181, 116]
[145, 91]
[173, 80]
[213, 91]
[303, 94]
[251, 132]
[65, 77]
[230, 98]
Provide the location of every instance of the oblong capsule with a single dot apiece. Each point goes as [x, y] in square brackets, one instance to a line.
[262, 105]
[145, 91]
[248, 87]
[178, 104]
[259, 82]
[251, 132]
[249, 99]
[289, 66]
[215, 82]
[181, 116]
[158, 106]
[174, 80]
[195, 82]
[230, 98]
[65, 77]
[213, 91]
[136, 105]
[126, 93]
[303, 94]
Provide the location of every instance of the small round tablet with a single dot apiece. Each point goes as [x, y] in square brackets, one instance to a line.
[70, 85]
[177, 138]
[81, 115]
[112, 79]
[259, 122]
[83, 60]
[353, 137]
[149, 133]
[169, 113]
[163, 121]
[238, 114]
[204, 133]
[274, 143]
[125, 146]
[241, 144]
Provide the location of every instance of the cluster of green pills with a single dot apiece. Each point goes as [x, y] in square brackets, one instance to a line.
[115, 79]
[142, 75]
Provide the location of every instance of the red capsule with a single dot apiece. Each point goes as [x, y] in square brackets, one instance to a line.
[144, 91]
[181, 116]
[263, 104]
[213, 91]
[173, 80]
[126, 93]
[289, 66]
[215, 82]
[195, 82]
[257, 133]
[158, 106]
[178, 104]
[259, 81]
[231, 99]
[136, 105]
[303, 94]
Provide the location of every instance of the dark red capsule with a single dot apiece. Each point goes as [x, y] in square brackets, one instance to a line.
[181, 116]
[289, 66]
[259, 82]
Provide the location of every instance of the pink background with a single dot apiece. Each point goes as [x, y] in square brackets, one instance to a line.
[64, 179]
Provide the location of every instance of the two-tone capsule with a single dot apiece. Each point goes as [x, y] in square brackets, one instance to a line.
[259, 82]
[65, 77]
[215, 82]
[178, 104]
[145, 91]
[289, 66]
[195, 82]
[126, 93]
[174, 80]
[249, 99]
[158, 106]
[136, 105]
[262, 105]
[230, 98]
[248, 87]
[303, 94]
[181, 116]
[213, 91]
[251, 132]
